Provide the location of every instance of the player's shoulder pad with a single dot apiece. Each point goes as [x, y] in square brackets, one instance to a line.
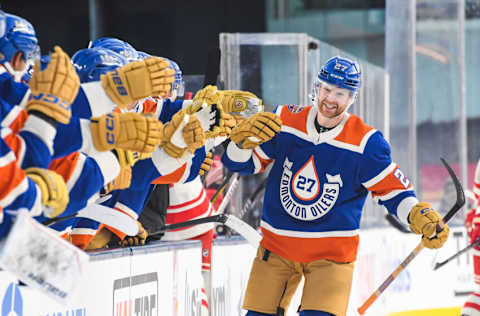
[294, 116]
[355, 134]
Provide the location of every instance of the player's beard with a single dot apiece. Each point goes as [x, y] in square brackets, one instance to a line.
[331, 115]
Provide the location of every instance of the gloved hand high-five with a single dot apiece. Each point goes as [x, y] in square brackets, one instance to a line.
[54, 89]
[231, 101]
[183, 132]
[207, 95]
[138, 80]
[130, 131]
[236, 101]
[423, 220]
[256, 130]
[53, 189]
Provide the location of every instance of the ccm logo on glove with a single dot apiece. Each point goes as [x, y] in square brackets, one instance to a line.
[50, 98]
[110, 125]
[425, 210]
[118, 83]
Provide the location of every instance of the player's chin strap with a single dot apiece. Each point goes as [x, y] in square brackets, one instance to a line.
[231, 221]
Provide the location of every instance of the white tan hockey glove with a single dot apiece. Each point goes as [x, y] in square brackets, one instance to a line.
[238, 102]
[138, 80]
[54, 88]
[138, 240]
[184, 132]
[53, 189]
[424, 220]
[130, 131]
[256, 130]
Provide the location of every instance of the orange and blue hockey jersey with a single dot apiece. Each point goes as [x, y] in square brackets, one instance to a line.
[16, 190]
[318, 184]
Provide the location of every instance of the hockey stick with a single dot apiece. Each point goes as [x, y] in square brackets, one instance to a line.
[50, 222]
[221, 188]
[395, 222]
[245, 230]
[252, 198]
[105, 215]
[457, 206]
[441, 264]
[229, 194]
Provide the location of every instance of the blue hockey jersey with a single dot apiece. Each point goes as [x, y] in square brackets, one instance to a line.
[318, 184]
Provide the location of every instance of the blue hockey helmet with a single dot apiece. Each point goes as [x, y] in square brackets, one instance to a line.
[142, 55]
[117, 45]
[44, 61]
[179, 84]
[17, 35]
[341, 72]
[90, 63]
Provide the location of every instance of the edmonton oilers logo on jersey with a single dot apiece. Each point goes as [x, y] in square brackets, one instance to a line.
[299, 192]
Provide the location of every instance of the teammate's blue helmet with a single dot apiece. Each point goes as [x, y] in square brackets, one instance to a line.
[17, 35]
[44, 61]
[142, 55]
[118, 46]
[179, 84]
[342, 72]
[90, 63]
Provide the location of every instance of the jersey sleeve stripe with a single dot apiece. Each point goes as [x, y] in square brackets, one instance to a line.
[43, 130]
[7, 159]
[37, 207]
[164, 163]
[259, 163]
[65, 166]
[172, 177]
[10, 120]
[125, 209]
[261, 154]
[389, 195]
[108, 165]
[16, 187]
[237, 154]
[368, 184]
[405, 207]
[22, 148]
[97, 97]
[77, 171]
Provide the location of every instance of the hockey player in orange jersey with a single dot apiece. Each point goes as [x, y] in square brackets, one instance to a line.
[325, 162]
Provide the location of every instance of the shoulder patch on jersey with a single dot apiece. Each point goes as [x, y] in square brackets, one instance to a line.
[354, 131]
[294, 108]
[296, 120]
